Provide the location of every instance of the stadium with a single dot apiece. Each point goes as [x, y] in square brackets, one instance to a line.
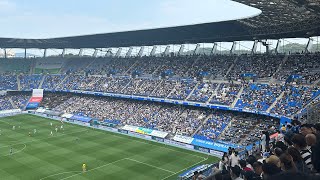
[167, 103]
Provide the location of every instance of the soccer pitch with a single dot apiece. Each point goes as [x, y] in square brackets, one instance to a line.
[107, 155]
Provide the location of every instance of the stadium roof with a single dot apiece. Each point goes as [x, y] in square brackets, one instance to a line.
[279, 19]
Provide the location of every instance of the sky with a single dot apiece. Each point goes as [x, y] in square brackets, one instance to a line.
[38, 19]
[60, 18]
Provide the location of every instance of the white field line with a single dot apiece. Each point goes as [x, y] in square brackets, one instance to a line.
[161, 146]
[184, 169]
[94, 169]
[150, 165]
[117, 135]
[42, 139]
[59, 174]
[15, 152]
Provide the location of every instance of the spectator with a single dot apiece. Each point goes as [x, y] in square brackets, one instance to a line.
[270, 169]
[306, 129]
[300, 144]
[297, 159]
[273, 160]
[257, 167]
[311, 140]
[235, 172]
[263, 141]
[234, 159]
[287, 163]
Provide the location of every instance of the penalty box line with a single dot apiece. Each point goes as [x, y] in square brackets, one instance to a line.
[128, 159]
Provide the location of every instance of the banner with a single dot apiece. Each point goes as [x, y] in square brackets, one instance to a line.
[202, 149]
[35, 99]
[147, 131]
[159, 134]
[32, 105]
[37, 93]
[10, 111]
[210, 145]
[183, 139]
[157, 139]
[129, 128]
[67, 115]
[81, 118]
[122, 131]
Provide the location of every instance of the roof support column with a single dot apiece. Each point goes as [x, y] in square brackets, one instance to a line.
[166, 51]
[309, 45]
[45, 53]
[214, 48]
[233, 48]
[95, 53]
[80, 52]
[153, 51]
[181, 49]
[141, 51]
[5, 53]
[278, 46]
[196, 50]
[128, 54]
[63, 52]
[267, 48]
[254, 47]
[118, 52]
[25, 53]
[109, 53]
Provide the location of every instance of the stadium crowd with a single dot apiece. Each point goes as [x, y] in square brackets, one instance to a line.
[190, 121]
[208, 79]
[293, 153]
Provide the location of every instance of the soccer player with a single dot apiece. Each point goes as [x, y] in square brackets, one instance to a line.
[61, 127]
[84, 167]
[56, 129]
[11, 151]
[34, 131]
[29, 134]
[51, 134]
[13, 127]
[0, 131]
[50, 123]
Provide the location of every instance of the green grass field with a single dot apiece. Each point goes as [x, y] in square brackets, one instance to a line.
[107, 155]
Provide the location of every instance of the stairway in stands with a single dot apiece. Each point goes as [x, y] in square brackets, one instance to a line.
[18, 83]
[12, 103]
[131, 67]
[238, 97]
[58, 85]
[275, 102]
[316, 83]
[190, 94]
[200, 127]
[214, 92]
[231, 67]
[42, 80]
[279, 68]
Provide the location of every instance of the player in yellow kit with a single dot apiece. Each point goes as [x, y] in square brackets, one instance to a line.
[84, 167]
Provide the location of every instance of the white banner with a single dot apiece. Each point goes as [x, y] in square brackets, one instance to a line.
[183, 139]
[130, 128]
[67, 115]
[159, 134]
[37, 93]
[10, 111]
